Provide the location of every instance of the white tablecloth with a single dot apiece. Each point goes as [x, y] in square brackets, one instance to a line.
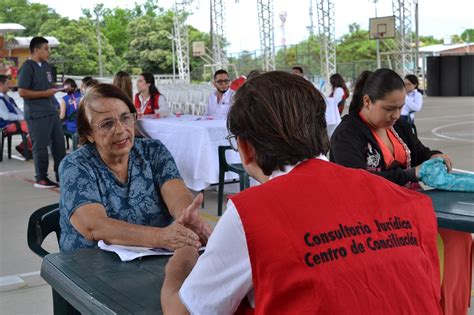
[193, 142]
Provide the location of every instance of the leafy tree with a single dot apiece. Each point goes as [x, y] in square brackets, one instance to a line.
[468, 35]
[429, 40]
[77, 53]
[356, 45]
[30, 15]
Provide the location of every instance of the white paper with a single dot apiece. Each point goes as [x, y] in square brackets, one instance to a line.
[128, 253]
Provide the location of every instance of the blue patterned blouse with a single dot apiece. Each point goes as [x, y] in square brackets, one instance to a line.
[86, 179]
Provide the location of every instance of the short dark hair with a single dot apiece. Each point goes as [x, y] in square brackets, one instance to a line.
[220, 71]
[376, 85]
[37, 42]
[413, 79]
[97, 92]
[300, 69]
[282, 116]
[70, 82]
[4, 78]
[86, 79]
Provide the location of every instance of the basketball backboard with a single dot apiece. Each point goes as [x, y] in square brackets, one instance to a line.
[199, 49]
[382, 27]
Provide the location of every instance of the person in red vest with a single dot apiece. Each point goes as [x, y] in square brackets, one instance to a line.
[148, 99]
[295, 244]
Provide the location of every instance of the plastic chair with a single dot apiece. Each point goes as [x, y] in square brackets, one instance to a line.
[42, 222]
[226, 167]
[9, 142]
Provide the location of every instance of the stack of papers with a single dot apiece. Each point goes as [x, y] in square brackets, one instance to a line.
[128, 253]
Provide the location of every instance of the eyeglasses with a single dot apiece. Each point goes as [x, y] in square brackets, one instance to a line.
[127, 120]
[233, 142]
[222, 81]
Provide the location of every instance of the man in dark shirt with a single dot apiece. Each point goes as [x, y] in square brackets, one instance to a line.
[35, 85]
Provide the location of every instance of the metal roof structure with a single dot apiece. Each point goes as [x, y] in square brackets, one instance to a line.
[11, 27]
[24, 42]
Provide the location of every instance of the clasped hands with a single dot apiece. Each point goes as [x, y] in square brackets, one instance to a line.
[188, 230]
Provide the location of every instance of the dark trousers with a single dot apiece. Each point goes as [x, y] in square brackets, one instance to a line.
[43, 132]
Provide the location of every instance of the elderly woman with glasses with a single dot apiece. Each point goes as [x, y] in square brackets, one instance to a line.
[120, 189]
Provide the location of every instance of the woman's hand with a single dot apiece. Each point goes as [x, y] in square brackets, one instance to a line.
[447, 160]
[176, 235]
[191, 219]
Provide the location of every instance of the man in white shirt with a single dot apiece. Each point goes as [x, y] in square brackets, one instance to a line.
[220, 101]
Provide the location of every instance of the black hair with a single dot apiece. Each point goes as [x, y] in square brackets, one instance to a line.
[252, 74]
[413, 79]
[220, 71]
[376, 85]
[4, 78]
[86, 79]
[150, 78]
[37, 42]
[70, 82]
[300, 69]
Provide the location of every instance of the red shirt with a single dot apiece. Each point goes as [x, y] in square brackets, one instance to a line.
[151, 104]
[313, 250]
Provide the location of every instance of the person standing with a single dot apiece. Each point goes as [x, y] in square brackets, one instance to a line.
[35, 86]
[220, 101]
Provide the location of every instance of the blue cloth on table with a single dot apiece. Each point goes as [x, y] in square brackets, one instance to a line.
[434, 173]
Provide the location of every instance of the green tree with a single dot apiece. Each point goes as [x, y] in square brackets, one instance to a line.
[468, 35]
[356, 45]
[428, 40]
[77, 52]
[30, 15]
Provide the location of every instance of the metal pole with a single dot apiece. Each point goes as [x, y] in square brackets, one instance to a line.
[101, 73]
[172, 49]
[377, 42]
[417, 47]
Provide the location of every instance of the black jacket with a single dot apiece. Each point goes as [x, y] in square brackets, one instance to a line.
[353, 145]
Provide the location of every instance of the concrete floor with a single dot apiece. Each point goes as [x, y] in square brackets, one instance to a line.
[446, 124]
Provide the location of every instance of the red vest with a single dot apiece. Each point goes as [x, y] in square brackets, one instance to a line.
[314, 250]
[151, 104]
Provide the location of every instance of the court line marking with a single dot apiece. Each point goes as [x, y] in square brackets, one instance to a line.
[462, 171]
[436, 133]
[444, 117]
[15, 171]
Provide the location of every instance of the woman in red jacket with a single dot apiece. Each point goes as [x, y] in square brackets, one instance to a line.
[148, 98]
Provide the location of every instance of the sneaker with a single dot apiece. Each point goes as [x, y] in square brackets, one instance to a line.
[45, 183]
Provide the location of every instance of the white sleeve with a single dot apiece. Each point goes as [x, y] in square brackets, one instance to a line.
[338, 95]
[163, 103]
[6, 115]
[222, 276]
[414, 102]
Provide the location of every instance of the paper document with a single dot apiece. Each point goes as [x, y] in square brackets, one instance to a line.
[127, 253]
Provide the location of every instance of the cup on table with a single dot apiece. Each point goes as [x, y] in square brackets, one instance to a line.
[157, 113]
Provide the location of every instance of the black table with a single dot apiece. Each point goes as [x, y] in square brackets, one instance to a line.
[454, 210]
[97, 282]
